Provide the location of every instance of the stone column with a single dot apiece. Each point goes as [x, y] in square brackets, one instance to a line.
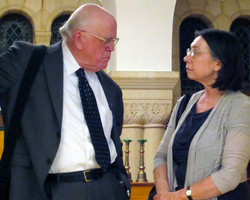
[42, 37]
[148, 101]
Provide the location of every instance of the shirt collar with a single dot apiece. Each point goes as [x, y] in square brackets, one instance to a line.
[69, 61]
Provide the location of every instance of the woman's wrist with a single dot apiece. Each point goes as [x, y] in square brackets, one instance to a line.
[182, 194]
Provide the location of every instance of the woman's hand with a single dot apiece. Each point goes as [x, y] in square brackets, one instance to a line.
[165, 195]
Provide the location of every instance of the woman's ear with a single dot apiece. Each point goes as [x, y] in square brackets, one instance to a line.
[78, 40]
[217, 66]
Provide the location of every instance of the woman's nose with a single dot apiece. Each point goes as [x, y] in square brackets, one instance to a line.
[187, 58]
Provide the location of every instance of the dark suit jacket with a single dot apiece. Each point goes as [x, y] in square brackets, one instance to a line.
[41, 123]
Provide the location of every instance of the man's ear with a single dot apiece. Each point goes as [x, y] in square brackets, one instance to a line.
[78, 40]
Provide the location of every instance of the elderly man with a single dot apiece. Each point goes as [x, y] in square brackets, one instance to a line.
[61, 152]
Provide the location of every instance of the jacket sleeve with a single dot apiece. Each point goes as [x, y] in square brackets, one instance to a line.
[13, 63]
[12, 67]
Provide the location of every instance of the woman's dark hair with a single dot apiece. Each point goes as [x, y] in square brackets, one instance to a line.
[225, 47]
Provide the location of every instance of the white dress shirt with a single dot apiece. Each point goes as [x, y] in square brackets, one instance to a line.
[76, 151]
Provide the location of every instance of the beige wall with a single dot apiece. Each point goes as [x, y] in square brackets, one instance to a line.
[145, 28]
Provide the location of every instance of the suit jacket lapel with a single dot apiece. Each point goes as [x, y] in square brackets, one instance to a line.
[53, 63]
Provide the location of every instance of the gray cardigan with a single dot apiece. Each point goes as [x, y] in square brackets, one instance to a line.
[220, 147]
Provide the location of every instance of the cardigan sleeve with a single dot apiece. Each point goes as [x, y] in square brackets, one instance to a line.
[161, 155]
[236, 152]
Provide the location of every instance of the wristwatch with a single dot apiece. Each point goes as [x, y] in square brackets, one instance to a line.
[189, 193]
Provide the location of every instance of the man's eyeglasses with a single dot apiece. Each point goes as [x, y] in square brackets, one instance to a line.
[194, 52]
[105, 41]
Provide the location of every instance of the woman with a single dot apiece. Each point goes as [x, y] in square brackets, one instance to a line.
[206, 155]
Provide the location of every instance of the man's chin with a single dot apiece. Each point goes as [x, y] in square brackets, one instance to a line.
[99, 68]
[96, 68]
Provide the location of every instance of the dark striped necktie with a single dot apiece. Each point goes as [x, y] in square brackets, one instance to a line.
[93, 120]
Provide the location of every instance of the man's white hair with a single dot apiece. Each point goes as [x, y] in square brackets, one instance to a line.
[78, 20]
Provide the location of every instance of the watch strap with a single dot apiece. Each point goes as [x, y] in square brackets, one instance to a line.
[188, 196]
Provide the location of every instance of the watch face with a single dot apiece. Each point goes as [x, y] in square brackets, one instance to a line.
[188, 192]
